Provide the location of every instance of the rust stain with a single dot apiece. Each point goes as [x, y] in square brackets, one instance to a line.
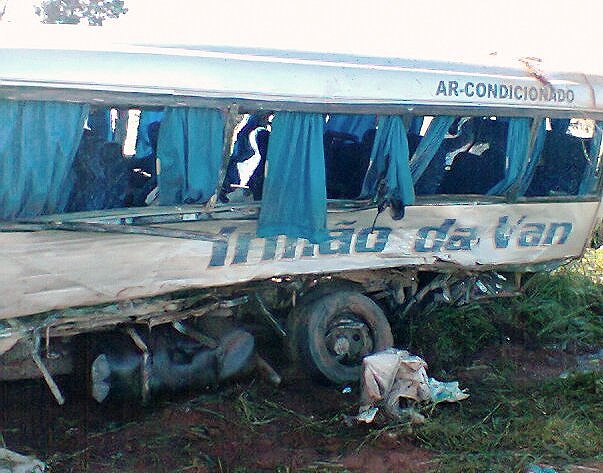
[532, 70]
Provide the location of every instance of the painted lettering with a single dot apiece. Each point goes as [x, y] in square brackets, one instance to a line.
[432, 238]
[480, 89]
[493, 90]
[269, 248]
[531, 234]
[441, 88]
[372, 242]
[504, 231]
[461, 239]
[452, 88]
[242, 248]
[566, 229]
[560, 95]
[308, 250]
[469, 89]
[339, 244]
[290, 247]
[220, 248]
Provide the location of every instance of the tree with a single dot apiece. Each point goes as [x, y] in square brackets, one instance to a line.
[73, 11]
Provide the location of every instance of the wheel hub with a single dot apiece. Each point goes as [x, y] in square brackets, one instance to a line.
[349, 340]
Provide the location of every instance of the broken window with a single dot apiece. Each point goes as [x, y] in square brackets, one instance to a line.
[567, 158]
[469, 155]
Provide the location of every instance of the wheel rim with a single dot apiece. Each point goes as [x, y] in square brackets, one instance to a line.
[348, 339]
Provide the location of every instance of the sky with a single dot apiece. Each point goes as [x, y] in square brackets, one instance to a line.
[554, 30]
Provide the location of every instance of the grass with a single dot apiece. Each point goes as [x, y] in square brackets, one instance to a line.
[507, 423]
[561, 310]
[504, 426]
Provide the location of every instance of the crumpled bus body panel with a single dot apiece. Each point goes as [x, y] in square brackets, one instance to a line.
[50, 270]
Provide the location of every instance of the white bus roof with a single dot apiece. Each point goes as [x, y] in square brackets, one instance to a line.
[70, 63]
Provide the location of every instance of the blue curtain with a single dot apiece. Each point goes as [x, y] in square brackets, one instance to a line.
[528, 174]
[38, 142]
[518, 138]
[99, 122]
[429, 145]
[144, 141]
[389, 164]
[416, 123]
[294, 201]
[190, 155]
[589, 180]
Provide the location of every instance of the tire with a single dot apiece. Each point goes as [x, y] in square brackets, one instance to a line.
[297, 318]
[336, 331]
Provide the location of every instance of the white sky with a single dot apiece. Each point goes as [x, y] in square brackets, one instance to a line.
[556, 30]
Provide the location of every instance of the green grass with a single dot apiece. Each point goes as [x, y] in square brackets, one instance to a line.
[506, 423]
[561, 310]
[504, 426]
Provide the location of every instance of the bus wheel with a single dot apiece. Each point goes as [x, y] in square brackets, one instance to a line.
[337, 330]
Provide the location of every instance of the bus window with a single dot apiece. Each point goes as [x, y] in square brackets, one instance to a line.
[348, 141]
[567, 159]
[470, 157]
[244, 178]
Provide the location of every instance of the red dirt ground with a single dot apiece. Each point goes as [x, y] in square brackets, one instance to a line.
[247, 427]
[244, 427]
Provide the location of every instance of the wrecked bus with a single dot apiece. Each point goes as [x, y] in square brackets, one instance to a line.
[169, 205]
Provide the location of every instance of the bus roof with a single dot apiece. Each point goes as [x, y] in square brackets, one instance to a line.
[72, 63]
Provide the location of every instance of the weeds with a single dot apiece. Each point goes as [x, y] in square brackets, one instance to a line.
[561, 310]
[506, 424]
[558, 422]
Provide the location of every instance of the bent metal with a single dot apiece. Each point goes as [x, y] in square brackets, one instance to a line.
[453, 88]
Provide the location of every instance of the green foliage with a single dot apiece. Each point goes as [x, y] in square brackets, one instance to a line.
[72, 11]
[507, 424]
[504, 426]
[446, 336]
[559, 310]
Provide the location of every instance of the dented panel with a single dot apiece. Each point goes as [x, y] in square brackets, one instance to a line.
[56, 269]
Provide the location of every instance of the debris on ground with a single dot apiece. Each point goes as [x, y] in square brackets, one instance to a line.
[13, 462]
[393, 378]
[588, 363]
[533, 468]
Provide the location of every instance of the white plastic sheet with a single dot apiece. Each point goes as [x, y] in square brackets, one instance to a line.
[13, 462]
[393, 377]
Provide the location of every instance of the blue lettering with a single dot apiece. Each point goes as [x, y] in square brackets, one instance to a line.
[469, 87]
[308, 249]
[290, 246]
[339, 243]
[504, 230]
[437, 234]
[461, 239]
[269, 248]
[441, 88]
[566, 227]
[453, 88]
[381, 236]
[492, 90]
[480, 89]
[219, 248]
[531, 234]
[242, 248]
